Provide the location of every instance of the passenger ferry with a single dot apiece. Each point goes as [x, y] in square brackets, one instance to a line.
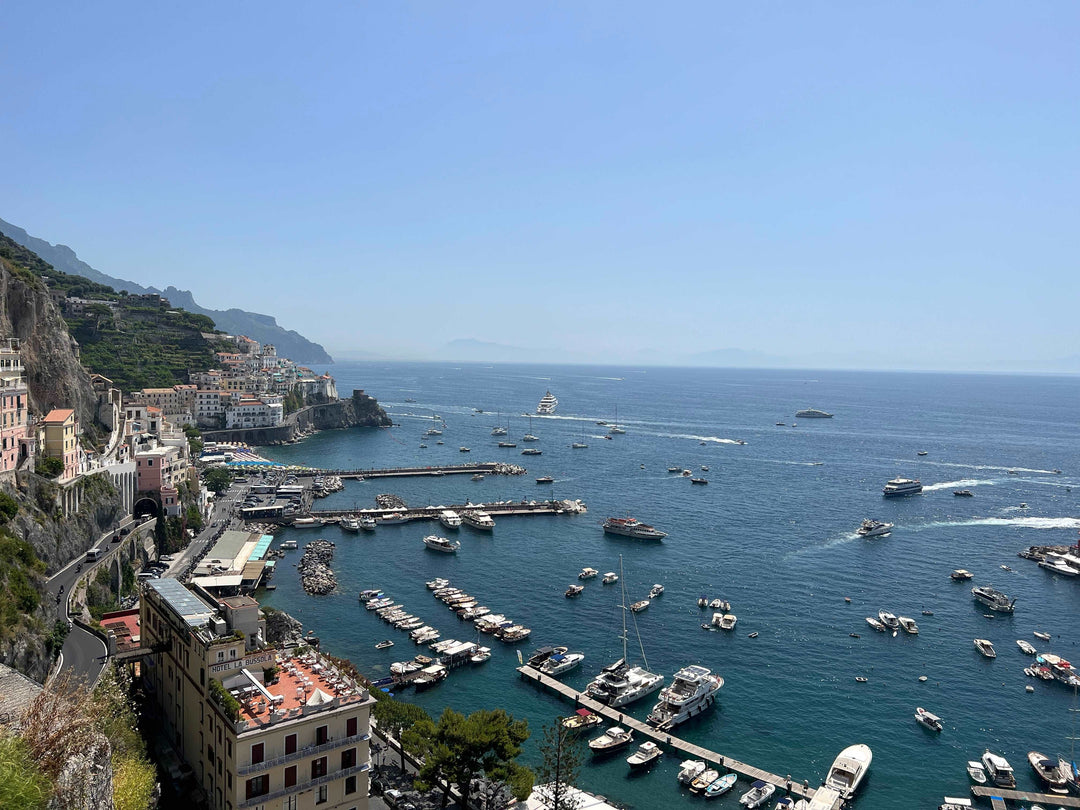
[631, 527]
[450, 519]
[899, 487]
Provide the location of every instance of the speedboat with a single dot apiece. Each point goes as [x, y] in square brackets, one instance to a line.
[720, 604]
[646, 755]
[631, 527]
[703, 780]
[690, 769]
[583, 718]
[692, 691]
[995, 600]
[611, 740]
[999, 770]
[656, 590]
[450, 519]
[1047, 771]
[1043, 636]
[899, 487]
[985, 647]
[961, 574]
[441, 544]
[1025, 647]
[382, 645]
[721, 785]
[532, 451]
[545, 479]
[588, 573]
[481, 655]
[928, 719]
[574, 590]
[758, 794]
[873, 528]
[699, 481]
[463, 449]
[908, 625]
[976, 771]
[849, 769]
[478, 519]
[889, 620]
[560, 663]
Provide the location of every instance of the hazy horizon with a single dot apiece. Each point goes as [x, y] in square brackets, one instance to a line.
[851, 186]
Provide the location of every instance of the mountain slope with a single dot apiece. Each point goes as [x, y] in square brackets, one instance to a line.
[263, 328]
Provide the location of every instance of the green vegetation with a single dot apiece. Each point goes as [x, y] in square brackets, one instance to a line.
[217, 479]
[394, 716]
[293, 401]
[49, 467]
[559, 766]
[220, 695]
[22, 784]
[9, 507]
[22, 576]
[134, 775]
[195, 444]
[458, 749]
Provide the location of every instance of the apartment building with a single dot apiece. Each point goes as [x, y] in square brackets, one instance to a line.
[253, 413]
[261, 728]
[60, 439]
[15, 433]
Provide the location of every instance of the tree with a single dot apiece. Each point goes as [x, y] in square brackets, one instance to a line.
[460, 748]
[218, 479]
[394, 716]
[560, 763]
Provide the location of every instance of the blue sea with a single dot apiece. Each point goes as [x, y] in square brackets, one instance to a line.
[773, 532]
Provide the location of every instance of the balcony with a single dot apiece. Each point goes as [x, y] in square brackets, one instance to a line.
[330, 777]
[301, 753]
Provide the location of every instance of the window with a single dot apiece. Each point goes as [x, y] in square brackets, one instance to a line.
[350, 727]
[350, 785]
[318, 767]
[322, 734]
[320, 795]
[348, 758]
[259, 786]
[289, 803]
[210, 753]
[290, 776]
[257, 753]
[290, 743]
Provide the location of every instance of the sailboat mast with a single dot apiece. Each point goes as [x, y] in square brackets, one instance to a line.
[622, 582]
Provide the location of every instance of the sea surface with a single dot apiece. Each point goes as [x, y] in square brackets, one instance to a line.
[773, 532]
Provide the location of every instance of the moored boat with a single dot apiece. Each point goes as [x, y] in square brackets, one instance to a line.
[1047, 771]
[759, 793]
[560, 663]
[876, 624]
[637, 607]
[928, 719]
[703, 780]
[721, 786]
[478, 519]
[985, 647]
[610, 578]
[581, 719]
[998, 770]
[611, 740]
[889, 620]
[690, 769]
[692, 691]
[849, 769]
[450, 519]
[976, 771]
[646, 755]
[436, 543]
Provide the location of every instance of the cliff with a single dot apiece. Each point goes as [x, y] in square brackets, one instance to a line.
[263, 328]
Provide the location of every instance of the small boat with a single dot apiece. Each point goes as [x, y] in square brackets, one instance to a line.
[976, 771]
[382, 645]
[781, 424]
[545, 479]
[574, 590]
[928, 719]
[873, 528]
[960, 574]
[1043, 636]
[725, 621]
[481, 655]
[699, 481]
[999, 770]
[674, 469]
[928, 613]
[611, 740]
[441, 544]
[610, 578]
[721, 786]
[703, 601]
[690, 769]
[889, 620]
[507, 444]
[423, 446]
[720, 604]
[849, 769]
[637, 607]
[985, 647]
[532, 451]
[367, 523]
[656, 590]
[861, 679]
[478, 477]
[560, 663]
[963, 493]
[703, 780]
[752, 635]
[1047, 771]
[922, 679]
[583, 718]
[686, 473]
[1023, 505]
[854, 635]
[759, 793]
[1025, 647]
[646, 755]
[588, 573]
[463, 449]
[921, 453]
[908, 625]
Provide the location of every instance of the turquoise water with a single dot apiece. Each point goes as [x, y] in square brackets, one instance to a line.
[772, 532]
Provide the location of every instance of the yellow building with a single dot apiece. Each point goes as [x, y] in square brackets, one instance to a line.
[257, 739]
[61, 428]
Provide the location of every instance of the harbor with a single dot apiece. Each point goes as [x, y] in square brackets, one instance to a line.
[483, 468]
[494, 508]
[998, 797]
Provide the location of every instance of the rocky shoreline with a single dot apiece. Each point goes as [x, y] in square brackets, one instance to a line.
[314, 567]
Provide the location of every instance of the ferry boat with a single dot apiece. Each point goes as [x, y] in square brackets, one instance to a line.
[547, 404]
[873, 528]
[928, 719]
[611, 740]
[479, 519]
[692, 691]
[999, 770]
[646, 755]
[631, 527]
[985, 647]
[960, 574]
[441, 544]
[812, 413]
[588, 573]
[450, 519]
[995, 600]
[1047, 771]
[899, 487]
[759, 793]
[849, 769]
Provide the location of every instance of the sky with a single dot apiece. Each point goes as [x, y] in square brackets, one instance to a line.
[866, 184]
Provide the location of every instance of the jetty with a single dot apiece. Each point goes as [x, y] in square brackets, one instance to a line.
[483, 468]
[493, 508]
[820, 798]
[998, 796]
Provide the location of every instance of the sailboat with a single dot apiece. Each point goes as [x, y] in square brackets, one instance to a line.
[434, 429]
[620, 684]
[615, 427]
[580, 445]
[499, 430]
[528, 437]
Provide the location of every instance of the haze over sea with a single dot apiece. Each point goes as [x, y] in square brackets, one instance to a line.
[773, 532]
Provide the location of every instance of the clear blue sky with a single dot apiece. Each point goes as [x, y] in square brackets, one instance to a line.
[854, 182]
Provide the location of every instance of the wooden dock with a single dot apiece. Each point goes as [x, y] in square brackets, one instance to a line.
[793, 787]
[1001, 794]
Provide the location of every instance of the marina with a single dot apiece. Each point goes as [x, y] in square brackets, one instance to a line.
[1053, 799]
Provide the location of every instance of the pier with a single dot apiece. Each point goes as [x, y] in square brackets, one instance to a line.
[821, 798]
[992, 793]
[483, 468]
[494, 508]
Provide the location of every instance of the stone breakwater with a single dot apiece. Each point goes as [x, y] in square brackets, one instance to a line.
[314, 568]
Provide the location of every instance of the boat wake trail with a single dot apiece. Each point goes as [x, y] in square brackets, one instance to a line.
[710, 439]
[963, 482]
[1024, 522]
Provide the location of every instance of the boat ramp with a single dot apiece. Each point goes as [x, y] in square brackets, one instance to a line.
[820, 798]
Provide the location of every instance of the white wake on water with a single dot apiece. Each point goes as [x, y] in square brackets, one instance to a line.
[1025, 522]
[963, 482]
[711, 439]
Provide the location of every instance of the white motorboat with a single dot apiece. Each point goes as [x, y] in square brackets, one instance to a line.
[646, 755]
[961, 574]
[908, 625]
[306, 523]
[349, 524]
[692, 691]
[574, 590]
[479, 519]
[611, 740]
[450, 519]
[656, 590]
[873, 528]
[610, 578]
[288, 545]
[889, 620]
[993, 599]
[899, 487]
[481, 655]
[985, 647]
[560, 663]
[436, 543]
[876, 624]
[547, 404]
[690, 769]
[998, 770]
[1037, 633]
[976, 771]
[759, 793]
[928, 719]
[849, 769]
[725, 621]
[631, 527]
[367, 523]
[588, 573]
[637, 607]
[703, 780]
[1025, 647]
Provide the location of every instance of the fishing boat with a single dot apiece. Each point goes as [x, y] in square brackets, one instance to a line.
[985, 647]
[759, 793]
[689, 770]
[721, 786]
[998, 770]
[574, 590]
[581, 719]
[441, 544]
[849, 769]
[1047, 771]
[704, 779]
[976, 771]
[928, 719]
[611, 740]
[646, 755]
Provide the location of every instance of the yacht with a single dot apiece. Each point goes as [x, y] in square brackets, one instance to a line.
[999, 770]
[306, 523]
[611, 740]
[690, 769]
[441, 544]
[560, 663]
[1025, 647]
[646, 755]
[588, 573]
[759, 793]
[450, 519]
[725, 621]
[479, 519]
[498, 430]
[350, 524]
[976, 771]
[908, 625]
[692, 691]
[899, 487]
[873, 528]
[1047, 771]
[928, 719]
[985, 647]
[889, 620]
[547, 404]
[631, 527]
[960, 574]
[1057, 564]
[849, 769]
[995, 600]
[392, 520]
[812, 413]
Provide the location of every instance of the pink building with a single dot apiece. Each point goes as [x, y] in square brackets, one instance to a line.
[15, 438]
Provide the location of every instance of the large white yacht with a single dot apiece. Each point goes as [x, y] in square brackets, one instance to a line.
[849, 769]
[547, 404]
[873, 528]
[450, 519]
[692, 691]
[479, 519]
[898, 487]
[631, 527]
[620, 684]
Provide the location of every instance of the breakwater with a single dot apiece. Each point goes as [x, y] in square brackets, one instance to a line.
[314, 567]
